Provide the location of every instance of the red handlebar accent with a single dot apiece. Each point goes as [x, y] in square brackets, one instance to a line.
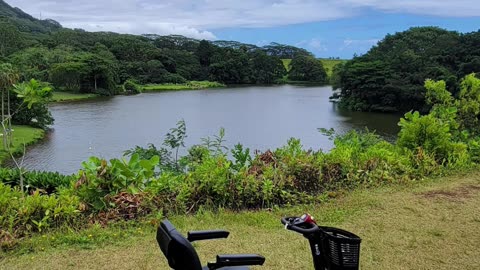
[295, 228]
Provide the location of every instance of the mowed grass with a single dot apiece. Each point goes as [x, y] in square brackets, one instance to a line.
[328, 64]
[68, 97]
[430, 225]
[22, 135]
[192, 85]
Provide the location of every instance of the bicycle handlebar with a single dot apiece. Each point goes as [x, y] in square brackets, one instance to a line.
[296, 228]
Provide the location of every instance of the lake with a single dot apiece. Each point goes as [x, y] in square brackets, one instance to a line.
[258, 117]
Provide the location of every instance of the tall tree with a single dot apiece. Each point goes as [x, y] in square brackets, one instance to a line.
[11, 39]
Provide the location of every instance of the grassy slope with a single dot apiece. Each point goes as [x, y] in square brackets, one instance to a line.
[22, 135]
[432, 225]
[66, 96]
[328, 64]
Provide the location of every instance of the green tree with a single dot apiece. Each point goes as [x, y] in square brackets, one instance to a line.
[230, 66]
[204, 52]
[68, 76]
[32, 62]
[266, 69]
[29, 104]
[10, 39]
[102, 74]
[391, 75]
[306, 68]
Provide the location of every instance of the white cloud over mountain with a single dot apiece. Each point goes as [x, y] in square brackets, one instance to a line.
[197, 18]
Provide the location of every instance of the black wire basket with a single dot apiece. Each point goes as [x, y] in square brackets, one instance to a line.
[341, 248]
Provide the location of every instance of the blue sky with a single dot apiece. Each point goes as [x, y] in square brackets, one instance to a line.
[345, 37]
[328, 28]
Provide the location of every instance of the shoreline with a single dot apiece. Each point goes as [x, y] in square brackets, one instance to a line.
[26, 135]
[66, 97]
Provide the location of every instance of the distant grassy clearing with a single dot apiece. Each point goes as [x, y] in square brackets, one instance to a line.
[21, 135]
[328, 64]
[286, 63]
[430, 225]
[192, 85]
[67, 96]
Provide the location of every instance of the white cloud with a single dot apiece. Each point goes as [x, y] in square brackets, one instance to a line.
[317, 45]
[146, 28]
[359, 44]
[443, 8]
[197, 18]
[313, 44]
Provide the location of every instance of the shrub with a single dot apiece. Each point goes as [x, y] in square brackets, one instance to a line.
[131, 87]
[46, 181]
[21, 215]
[474, 149]
[100, 178]
[427, 132]
[208, 184]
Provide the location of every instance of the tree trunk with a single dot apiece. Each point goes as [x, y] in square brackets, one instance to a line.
[9, 117]
[21, 180]
[4, 137]
[95, 77]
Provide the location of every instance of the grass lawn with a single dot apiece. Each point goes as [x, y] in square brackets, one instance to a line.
[66, 96]
[434, 224]
[21, 135]
[192, 85]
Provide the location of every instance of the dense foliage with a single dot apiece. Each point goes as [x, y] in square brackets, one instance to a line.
[390, 76]
[25, 22]
[307, 68]
[156, 179]
[80, 61]
[131, 87]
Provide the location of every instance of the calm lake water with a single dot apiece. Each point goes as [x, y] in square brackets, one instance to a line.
[258, 117]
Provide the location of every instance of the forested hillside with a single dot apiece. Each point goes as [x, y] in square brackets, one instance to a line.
[99, 62]
[390, 77]
[25, 22]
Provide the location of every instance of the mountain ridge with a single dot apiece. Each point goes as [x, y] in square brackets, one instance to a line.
[25, 22]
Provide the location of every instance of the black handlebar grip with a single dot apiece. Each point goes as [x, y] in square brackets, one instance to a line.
[297, 228]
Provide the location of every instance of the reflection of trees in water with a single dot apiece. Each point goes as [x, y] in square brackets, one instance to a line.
[386, 125]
